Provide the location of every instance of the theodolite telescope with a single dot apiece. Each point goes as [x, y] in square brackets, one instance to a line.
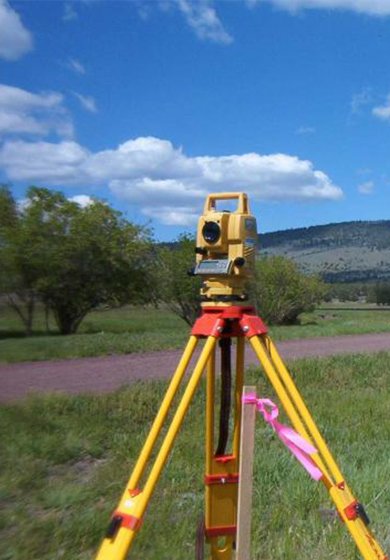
[226, 248]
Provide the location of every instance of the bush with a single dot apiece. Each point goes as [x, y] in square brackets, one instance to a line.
[282, 292]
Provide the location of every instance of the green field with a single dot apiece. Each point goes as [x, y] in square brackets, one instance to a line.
[134, 329]
[64, 461]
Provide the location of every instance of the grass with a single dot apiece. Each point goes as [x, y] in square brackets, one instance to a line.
[65, 461]
[131, 329]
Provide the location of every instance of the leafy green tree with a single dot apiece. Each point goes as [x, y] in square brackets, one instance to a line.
[177, 288]
[282, 292]
[382, 293]
[17, 259]
[76, 259]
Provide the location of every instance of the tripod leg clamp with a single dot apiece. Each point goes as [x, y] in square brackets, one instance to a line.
[124, 520]
[355, 510]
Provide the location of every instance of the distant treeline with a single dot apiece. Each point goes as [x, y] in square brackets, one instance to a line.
[377, 292]
[372, 234]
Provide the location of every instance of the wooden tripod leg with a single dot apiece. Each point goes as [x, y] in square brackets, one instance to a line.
[128, 517]
[296, 410]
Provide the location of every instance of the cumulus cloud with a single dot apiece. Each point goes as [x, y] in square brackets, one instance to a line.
[22, 112]
[372, 7]
[87, 102]
[15, 39]
[383, 111]
[202, 17]
[159, 178]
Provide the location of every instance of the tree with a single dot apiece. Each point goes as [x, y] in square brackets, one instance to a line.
[176, 288]
[76, 259]
[382, 293]
[17, 270]
[282, 292]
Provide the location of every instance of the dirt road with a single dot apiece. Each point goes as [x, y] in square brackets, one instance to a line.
[104, 374]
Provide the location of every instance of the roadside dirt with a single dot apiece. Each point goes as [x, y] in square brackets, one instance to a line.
[105, 374]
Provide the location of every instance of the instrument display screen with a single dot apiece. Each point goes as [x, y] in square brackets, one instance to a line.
[213, 266]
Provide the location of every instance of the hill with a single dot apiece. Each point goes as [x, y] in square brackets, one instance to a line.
[344, 252]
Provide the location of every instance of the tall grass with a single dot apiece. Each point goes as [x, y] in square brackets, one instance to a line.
[65, 460]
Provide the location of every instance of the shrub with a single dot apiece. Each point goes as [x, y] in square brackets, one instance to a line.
[282, 292]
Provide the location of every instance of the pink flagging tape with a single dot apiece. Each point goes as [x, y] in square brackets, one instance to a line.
[299, 447]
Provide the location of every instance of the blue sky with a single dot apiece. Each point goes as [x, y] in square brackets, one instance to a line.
[151, 105]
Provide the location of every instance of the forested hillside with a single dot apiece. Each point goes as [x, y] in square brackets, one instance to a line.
[344, 252]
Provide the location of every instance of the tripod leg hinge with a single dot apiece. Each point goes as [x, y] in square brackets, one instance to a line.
[224, 531]
[252, 325]
[208, 325]
[355, 510]
[221, 479]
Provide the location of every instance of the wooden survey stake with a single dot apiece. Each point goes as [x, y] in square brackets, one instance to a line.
[245, 487]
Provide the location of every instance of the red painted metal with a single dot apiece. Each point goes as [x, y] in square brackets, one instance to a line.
[227, 478]
[229, 322]
[221, 531]
[129, 521]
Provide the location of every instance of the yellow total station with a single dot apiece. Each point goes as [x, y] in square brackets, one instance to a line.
[226, 249]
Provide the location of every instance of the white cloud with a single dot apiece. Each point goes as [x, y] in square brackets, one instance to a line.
[367, 187]
[360, 99]
[69, 13]
[15, 39]
[203, 19]
[43, 161]
[22, 112]
[303, 130]
[161, 179]
[383, 111]
[87, 102]
[76, 66]
[371, 7]
[169, 216]
[82, 200]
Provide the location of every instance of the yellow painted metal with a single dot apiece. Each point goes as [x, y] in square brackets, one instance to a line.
[222, 548]
[307, 417]
[162, 413]
[340, 492]
[238, 394]
[210, 402]
[221, 498]
[342, 496]
[135, 506]
[261, 352]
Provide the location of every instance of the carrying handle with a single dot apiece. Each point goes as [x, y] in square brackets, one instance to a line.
[242, 206]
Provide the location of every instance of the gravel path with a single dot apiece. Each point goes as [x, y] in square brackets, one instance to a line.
[104, 374]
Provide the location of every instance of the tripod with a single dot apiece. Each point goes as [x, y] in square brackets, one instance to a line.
[224, 323]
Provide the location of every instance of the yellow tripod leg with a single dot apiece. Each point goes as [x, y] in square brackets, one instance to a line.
[128, 516]
[298, 413]
[222, 472]
[162, 414]
[340, 492]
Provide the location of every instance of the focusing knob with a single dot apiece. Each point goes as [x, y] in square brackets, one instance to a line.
[239, 261]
